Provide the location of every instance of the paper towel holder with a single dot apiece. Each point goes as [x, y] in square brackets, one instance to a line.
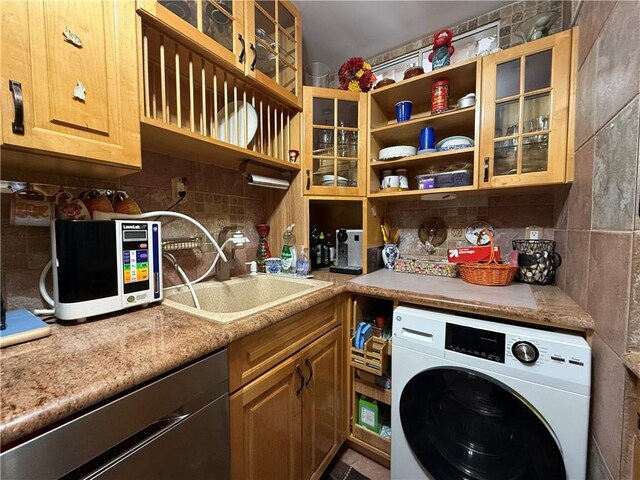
[265, 181]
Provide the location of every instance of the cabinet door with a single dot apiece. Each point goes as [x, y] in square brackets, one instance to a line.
[334, 151]
[322, 403]
[76, 62]
[274, 49]
[525, 105]
[265, 425]
[217, 25]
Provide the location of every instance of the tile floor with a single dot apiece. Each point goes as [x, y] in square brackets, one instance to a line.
[363, 464]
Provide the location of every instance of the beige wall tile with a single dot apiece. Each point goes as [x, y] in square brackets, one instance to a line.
[609, 284]
[607, 403]
[576, 266]
[593, 15]
[586, 100]
[560, 236]
[618, 73]
[629, 425]
[581, 193]
[614, 171]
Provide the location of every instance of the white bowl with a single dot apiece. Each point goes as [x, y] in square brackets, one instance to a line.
[397, 151]
[454, 143]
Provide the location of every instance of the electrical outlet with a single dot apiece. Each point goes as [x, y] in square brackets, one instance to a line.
[178, 186]
[532, 233]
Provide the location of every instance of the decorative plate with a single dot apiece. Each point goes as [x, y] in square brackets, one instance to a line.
[454, 143]
[472, 233]
[398, 151]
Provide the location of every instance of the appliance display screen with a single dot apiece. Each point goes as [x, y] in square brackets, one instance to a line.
[128, 235]
[475, 342]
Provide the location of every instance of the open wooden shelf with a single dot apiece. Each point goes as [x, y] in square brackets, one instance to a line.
[446, 124]
[372, 438]
[158, 136]
[462, 80]
[373, 391]
[412, 194]
[417, 162]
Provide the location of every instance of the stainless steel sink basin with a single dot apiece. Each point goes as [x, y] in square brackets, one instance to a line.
[241, 296]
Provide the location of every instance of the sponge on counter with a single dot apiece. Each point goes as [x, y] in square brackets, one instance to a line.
[23, 326]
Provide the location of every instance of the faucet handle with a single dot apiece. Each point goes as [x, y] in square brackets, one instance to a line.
[253, 267]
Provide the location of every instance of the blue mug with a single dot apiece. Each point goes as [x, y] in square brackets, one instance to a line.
[427, 139]
[403, 110]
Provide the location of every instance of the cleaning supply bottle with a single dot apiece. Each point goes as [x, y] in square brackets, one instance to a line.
[302, 265]
[288, 257]
[320, 248]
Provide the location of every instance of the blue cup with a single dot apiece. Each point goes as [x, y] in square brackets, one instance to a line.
[427, 139]
[403, 110]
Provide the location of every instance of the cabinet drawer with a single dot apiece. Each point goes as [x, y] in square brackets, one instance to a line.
[253, 355]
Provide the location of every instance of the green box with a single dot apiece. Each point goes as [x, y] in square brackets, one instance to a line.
[368, 414]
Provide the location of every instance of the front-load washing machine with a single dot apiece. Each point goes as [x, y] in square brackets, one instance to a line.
[476, 399]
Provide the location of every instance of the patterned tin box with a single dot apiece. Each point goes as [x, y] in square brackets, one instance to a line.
[427, 267]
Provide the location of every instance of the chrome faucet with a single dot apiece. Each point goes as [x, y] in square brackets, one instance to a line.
[237, 240]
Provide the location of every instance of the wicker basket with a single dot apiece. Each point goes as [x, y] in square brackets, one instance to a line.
[491, 273]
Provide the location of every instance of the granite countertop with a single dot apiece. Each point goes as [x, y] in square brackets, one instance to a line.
[80, 365]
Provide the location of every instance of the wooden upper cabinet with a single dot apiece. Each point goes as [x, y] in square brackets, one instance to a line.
[274, 36]
[334, 155]
[74, 65]
[525, 105]
[262, 39]
[218, 26]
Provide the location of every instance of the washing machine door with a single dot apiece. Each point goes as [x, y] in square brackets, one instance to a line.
[462, 424]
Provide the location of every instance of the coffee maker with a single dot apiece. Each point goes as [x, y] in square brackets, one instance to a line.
[348, 252]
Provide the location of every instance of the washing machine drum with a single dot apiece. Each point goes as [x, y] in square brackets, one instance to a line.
[461, 424]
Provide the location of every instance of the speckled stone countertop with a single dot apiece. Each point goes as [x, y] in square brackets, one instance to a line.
[632, 361]
[80, 365]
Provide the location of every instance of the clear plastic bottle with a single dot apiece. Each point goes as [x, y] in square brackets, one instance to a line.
[302, 264]
[288, 256]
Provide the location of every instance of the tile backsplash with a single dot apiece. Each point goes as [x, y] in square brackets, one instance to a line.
[508, 215]
[215, 197]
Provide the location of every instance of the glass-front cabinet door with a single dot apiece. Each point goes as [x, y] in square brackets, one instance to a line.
[217, 25]
[525, 105]
[334, 155]
[274, 49]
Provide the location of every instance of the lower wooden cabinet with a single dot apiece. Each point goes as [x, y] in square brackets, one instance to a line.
[288, 422]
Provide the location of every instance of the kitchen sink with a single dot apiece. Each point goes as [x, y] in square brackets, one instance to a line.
[241, 296]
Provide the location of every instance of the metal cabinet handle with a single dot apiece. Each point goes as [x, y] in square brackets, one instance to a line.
[299, 372]
[486, 169]
[241, 57]
[17, 126]
[255, 56]
[310, 367]
[308, 179]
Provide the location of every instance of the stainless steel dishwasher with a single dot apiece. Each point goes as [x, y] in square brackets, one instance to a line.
[174, 427]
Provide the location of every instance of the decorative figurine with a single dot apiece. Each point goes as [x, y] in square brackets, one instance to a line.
[442, 49]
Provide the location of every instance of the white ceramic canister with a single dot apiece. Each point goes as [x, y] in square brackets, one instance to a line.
[404, 180]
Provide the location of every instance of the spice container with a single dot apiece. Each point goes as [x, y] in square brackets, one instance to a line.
[440, 96]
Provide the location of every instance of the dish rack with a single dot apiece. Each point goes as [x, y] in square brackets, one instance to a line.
[491, 273]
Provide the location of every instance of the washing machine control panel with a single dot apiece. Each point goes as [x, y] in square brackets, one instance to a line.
[475, 342]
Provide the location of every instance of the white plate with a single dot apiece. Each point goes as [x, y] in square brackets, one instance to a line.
[397, 151]
[252, 124]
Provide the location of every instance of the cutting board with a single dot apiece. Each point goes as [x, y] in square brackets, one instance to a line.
[23, 326]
